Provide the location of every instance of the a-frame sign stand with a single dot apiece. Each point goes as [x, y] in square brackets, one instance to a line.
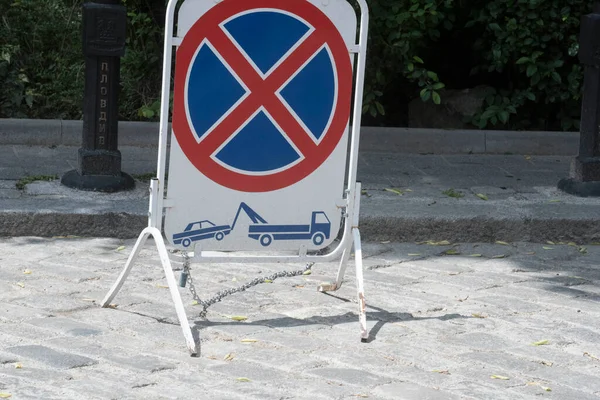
[348, 205]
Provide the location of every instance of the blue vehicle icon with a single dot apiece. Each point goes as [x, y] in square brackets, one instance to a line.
[201, 230]
[317, 231]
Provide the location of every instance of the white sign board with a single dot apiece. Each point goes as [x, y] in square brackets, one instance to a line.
[262, 100]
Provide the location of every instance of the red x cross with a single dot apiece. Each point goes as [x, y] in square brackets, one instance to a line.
[262, 93]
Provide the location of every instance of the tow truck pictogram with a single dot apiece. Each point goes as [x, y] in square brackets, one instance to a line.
[317, 231]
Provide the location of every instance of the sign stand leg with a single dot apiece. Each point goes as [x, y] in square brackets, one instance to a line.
[330, 287]
[166, 263]
[362, 313]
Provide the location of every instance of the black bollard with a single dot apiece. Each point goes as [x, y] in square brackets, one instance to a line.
[585, 169]
[99, 160]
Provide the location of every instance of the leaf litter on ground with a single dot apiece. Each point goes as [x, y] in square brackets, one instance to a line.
[541, 342]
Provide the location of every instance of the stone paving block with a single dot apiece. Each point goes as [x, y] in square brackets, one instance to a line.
[254, 372]
[29, 374]
[411, 391]
[14, 312]
[66, 326]
[35, 392]
[53, 358]
[10, 193]
[350, 376]
[142, 362]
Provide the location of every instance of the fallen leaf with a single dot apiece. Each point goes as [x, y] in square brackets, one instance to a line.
[499, 256]
[407, 190]
[243, 380]
[298, 286]
[5, 395]
[546, 388]
[475, 255]
[434, 243]
[414, 254]
[120, 248]
[195, 303]
[20, 284]
[482, 196]
[234, 279]
[397, 191]
[528, 157]
[162, 286]
[477, 315]
[385, 242]
[582, 250]
[364, 396]
[19, 366]
[249, 340]
[27, 272]
[451, 252]
[228, 357]
[442, 371]
[212, 357]
[463, 300]
[268, 281]
[547, 363]
[239, 318]
[547, 248]
[364, 192]
[550, 242]
[541, 342]
[554, 201]
[502, 243]
[531, 253]
[307, 272]
[457, 194]
[89, 300]
[591, 356]
[504, 378]
[113, 306]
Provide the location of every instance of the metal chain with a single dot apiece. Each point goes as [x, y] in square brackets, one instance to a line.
[226, 292]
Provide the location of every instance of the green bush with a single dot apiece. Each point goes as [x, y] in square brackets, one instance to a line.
[525, 49]
[400, 30]
[42, 64]
[41, 68]
[532, 46]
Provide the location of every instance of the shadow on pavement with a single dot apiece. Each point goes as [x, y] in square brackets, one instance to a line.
[380, 315]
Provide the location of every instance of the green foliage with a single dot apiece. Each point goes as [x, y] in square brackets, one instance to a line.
[525, 49]
[533, 45]
[21, 183]
[42, 64]
[41, 68]
[399, 32]
[141, 66]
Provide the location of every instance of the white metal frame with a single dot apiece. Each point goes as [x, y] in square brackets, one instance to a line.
[351, 235]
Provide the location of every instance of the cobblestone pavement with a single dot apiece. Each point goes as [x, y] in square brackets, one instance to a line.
[442, 326]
